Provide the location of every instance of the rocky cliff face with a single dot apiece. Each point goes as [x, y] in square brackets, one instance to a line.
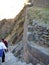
[12, 29]
[6, 27]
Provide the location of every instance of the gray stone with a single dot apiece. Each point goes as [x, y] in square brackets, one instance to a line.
[38, 64]
[0, 61]
[39, 54]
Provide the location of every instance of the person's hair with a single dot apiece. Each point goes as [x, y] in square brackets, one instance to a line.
[2, 39]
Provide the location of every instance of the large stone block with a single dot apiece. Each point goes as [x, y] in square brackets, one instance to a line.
[43, 57]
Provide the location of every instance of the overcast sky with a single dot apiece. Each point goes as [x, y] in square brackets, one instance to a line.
[10, 8]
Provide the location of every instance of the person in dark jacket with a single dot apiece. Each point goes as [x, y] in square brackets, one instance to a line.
[6, 44]
[2, 51]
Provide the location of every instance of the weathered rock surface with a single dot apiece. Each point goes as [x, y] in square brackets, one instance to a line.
[39, 34]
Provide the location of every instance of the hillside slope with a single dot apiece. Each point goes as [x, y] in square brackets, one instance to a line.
[12, 29]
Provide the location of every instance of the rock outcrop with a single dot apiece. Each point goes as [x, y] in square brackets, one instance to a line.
[12, 29]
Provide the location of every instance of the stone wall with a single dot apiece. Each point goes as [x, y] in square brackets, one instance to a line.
[40, 3]
[35, 55]
[39, 34]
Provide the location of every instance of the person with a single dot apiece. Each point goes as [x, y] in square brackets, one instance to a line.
[6, 44]
[3, 57]
[2, 51]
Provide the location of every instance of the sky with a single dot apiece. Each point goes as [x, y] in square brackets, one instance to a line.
[10, 8]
